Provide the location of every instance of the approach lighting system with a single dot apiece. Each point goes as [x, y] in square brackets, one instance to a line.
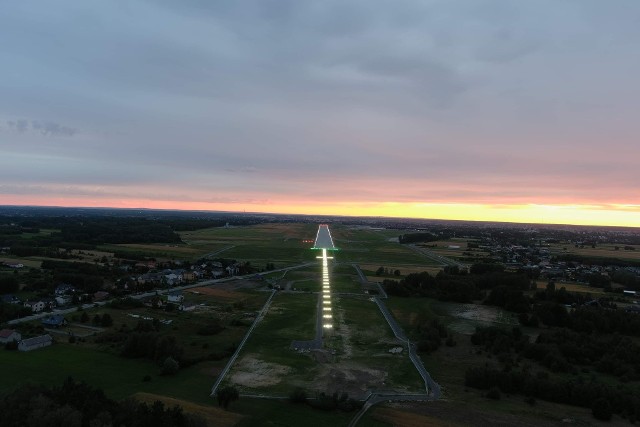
[324, 242]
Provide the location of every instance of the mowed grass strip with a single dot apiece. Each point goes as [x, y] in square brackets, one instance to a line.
[290, 317]
[371, 338]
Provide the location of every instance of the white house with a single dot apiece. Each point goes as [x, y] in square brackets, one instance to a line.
[64, 300]
[35, 306]
[176, 297]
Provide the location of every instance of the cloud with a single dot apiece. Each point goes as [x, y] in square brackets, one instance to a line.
[414, 100]
[46, 128]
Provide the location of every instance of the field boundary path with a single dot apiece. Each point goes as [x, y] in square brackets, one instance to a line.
[231, 361]
[219, 251]
[432, 387]
[379, 397]
[443, 260]
[365, 281]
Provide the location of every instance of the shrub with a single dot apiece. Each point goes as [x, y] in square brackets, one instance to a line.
[169, 366]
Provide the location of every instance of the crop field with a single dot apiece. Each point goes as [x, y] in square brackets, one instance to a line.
[455, 248]
[572, 287]
[600, 251]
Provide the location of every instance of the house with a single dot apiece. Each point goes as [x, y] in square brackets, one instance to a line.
[36, 306]
[172, 279]
[35, 343]
[189, 276]
[14, 265]
[175, 296]
[232, 270]
[54, 321]
[8, 335]
[49, 303]
[10, 299]
[63, 300]
[64, 289]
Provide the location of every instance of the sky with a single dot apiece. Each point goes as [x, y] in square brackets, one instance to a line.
[522, 111]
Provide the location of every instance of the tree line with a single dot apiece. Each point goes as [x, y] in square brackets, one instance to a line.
[76, 404]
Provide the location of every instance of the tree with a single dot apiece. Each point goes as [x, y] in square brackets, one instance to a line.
[106, 320]
[85, 317]
[227, 395]
[601, 409]
[380, 271]
[8, 284]
[298, 396]
[169, 366]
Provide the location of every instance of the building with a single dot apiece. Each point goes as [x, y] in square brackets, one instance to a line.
[63, 300]
[175, 296]
[35, 343]
[8, 335]
[64, 289]
[10, 299]
[36, 306]
[54, 321]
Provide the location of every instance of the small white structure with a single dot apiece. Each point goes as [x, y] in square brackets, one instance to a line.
[8, 335]
[35, 343]
[176, 297]
[35, 306]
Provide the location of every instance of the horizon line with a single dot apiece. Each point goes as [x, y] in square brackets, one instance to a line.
[244, 212]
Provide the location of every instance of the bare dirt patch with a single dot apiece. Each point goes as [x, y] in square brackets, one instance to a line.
[254, 373]
[350, 378]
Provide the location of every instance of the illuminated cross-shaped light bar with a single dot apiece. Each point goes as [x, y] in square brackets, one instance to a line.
[325, 242]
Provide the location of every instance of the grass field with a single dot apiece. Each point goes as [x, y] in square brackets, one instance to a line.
[571, 287]
[374, 246]
[356, 356]
[117, 376]
[601, 251]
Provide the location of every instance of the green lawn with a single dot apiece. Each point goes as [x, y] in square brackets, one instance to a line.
[117, 376]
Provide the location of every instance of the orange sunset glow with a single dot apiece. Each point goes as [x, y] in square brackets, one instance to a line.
[438, 111]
